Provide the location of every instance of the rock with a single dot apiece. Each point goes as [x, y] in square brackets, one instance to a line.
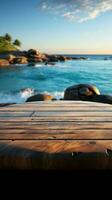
[34, 60]
[81, 92]
[83, 58]
[62, 58]
[39, 60]
[79, 58]
[40, 97]
[31, 64]
[20, 60]
[35, 56]
[102, 99]
[105, 59]
[49, 63]
[68, 58]
[52, 58]
[4, 63]
[32, 52]
[10, 58]
[75, 58]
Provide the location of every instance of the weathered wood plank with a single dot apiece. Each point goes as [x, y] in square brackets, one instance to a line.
[55, 155]
[57, 131]
[57, 125]
[53, 137]
[60, 103]
[84, 135]
[64, 102]
[55, 119]
[16, 114]
[57, 109]
[57, 146]
[78, 114]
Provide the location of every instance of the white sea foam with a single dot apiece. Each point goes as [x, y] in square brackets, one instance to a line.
[38, 65]
[16, 97]
[22, 95]
[58, 95]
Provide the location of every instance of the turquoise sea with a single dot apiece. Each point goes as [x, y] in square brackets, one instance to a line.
[19, 82]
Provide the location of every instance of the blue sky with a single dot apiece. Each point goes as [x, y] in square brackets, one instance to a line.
[61, 26]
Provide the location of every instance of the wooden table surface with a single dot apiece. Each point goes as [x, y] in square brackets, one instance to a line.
[56, 135]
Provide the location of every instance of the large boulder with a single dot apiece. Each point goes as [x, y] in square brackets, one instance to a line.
[81, 92]
[19, 60]
[4, 63]
[10, 58]
[31, 52]
[35, 56]
[40, 97]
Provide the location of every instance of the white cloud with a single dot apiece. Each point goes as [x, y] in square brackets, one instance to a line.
[77, 10]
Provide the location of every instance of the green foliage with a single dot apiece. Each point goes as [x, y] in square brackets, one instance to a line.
[17, 43]
[8, 37]
[6, 44]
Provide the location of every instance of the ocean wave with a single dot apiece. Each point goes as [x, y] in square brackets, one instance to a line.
[22, 95]
[58, 95]
[38, 65]
[16, 96]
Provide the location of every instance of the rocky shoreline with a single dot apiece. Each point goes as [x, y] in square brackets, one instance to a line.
[80, 92]
[32, 57]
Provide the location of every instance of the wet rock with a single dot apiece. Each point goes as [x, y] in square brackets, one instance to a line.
[81, 92]
[10, 58]
[20, 60]
[79, 58]
[52, 58]
[4, 63]
[102, 99]
[49, 63]
[40, 97]
[62, 58]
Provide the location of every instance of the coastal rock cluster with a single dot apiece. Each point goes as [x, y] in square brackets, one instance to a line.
[32, 57]
[85, 92]
[81, 92]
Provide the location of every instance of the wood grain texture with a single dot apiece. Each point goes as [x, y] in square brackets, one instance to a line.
[56, 135]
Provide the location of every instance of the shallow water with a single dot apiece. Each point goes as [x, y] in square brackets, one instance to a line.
[19, 82]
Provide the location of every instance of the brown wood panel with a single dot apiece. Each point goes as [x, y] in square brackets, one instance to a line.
[58, 103]
[55, 154]
[75, 114]
[61, 135]
[56, 125]
[56, 119]
[60, 146]
[75, 135]
[15, 114]
[58, 109]
[54, 131]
